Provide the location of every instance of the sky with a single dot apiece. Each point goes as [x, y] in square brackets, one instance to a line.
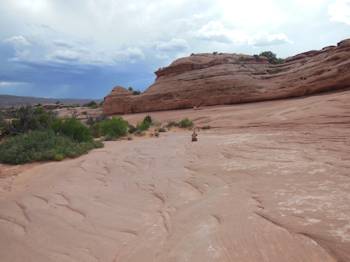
[83, 48]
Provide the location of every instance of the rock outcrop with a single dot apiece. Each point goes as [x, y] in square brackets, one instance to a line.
[218, 79]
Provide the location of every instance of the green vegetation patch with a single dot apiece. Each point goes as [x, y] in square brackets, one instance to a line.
[134, 92]
[31, 134]
[29, 118]
[92, 104]
[272, 58]
[111, 128]
[73, 129]
[42, 145]
[145, 124]
[185, 123]
[3, 124]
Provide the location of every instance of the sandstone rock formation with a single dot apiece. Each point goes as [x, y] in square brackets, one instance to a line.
[216, 79]
[269, 182]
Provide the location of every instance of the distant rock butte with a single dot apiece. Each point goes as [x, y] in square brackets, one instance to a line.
[218, 79]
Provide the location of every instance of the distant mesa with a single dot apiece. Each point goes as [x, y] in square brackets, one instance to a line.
[16, 101]
[222, 79]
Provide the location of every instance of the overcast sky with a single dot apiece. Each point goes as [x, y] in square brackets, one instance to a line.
[82, 48]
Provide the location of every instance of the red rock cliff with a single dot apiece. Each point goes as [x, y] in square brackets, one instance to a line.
[216, 79]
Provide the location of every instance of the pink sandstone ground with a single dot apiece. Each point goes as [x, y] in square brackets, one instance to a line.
[268, 182]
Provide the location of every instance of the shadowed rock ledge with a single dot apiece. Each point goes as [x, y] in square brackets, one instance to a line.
[218, 79]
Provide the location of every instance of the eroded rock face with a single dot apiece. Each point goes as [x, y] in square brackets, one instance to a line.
[217, 79]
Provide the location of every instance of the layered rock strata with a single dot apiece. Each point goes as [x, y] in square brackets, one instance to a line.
[220, 78]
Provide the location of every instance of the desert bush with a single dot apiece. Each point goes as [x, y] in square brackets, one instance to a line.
[256, 57]
[185, 123]
[145, 124]
[272, 58]
[42, 146]
[73, 129]
[29, 118]
[148, 119]
[90, 121]
[2, 120]
[111, 128]
[91, 104]
[132, 129]
[134, 92]
[3, 125]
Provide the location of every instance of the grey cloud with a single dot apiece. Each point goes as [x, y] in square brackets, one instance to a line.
[130, 54]
[62, 43]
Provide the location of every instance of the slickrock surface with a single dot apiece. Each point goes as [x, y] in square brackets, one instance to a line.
[269, 182]
[218, 79]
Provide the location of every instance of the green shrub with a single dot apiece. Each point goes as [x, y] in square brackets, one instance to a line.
[185, 123]
[90, 121]
[95, 130]
[91, 104]
[2, 120]
[72, 128]
[271, 57]
[29, 118]
[134, 92]
[111, 128]
[3, 125]
[132, 129]
[145, 124]
[148, 119]
[42, 146]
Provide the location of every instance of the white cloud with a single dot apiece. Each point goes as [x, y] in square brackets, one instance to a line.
[339, 11]
[265, 39]
[253, 14]
[4, 84]
[35, 6]
[174, 45]
[17, 41]
[217, 32]
[115, 31]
